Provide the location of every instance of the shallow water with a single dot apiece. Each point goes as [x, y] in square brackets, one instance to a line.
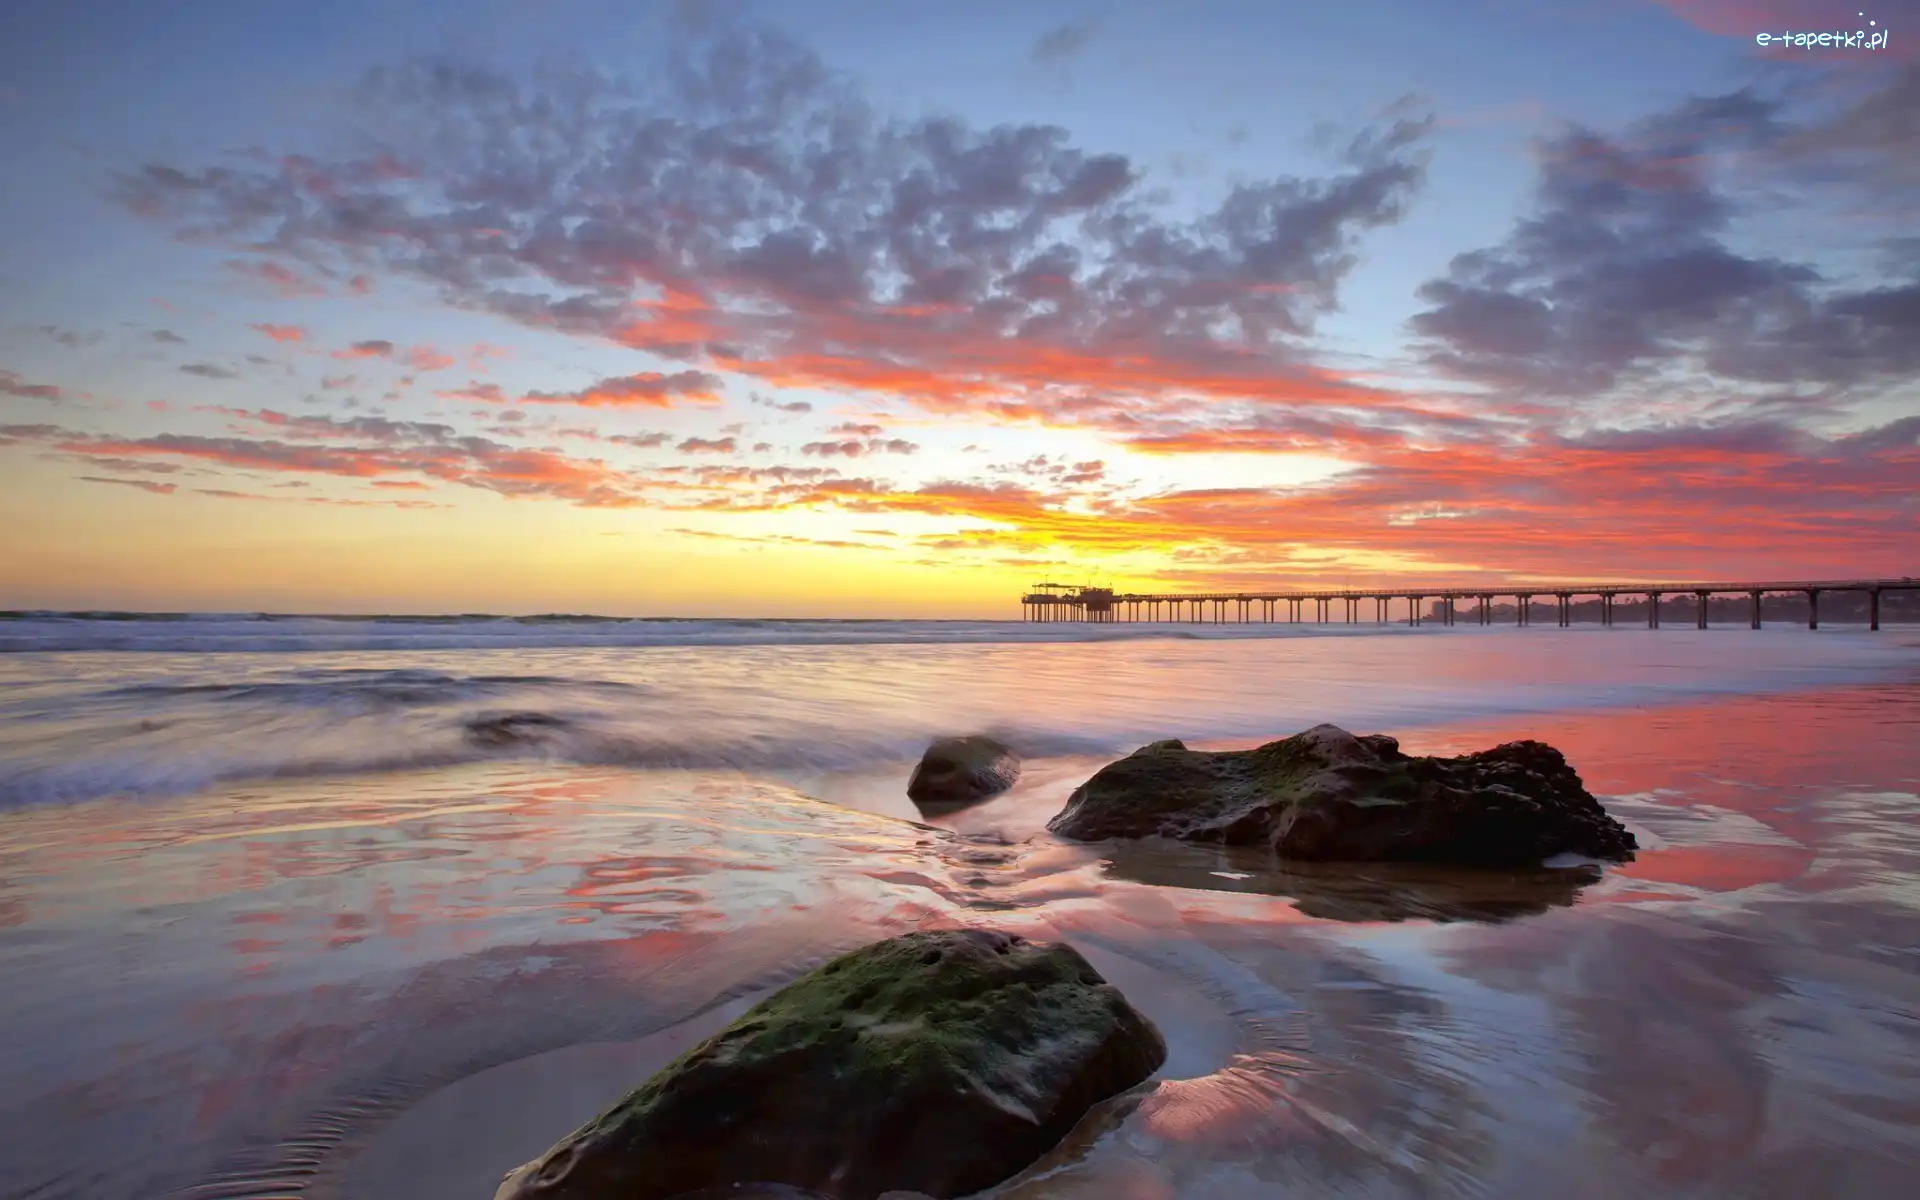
[313, 935]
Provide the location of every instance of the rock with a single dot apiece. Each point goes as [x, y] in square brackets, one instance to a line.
[512, 729]
[940, 1062]
[957, 771]
[1326, 795]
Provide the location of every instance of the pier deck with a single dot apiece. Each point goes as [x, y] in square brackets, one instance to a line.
[1072, 602]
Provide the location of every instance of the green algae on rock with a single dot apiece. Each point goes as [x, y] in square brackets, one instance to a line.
[1326, 795]
[940, 1062]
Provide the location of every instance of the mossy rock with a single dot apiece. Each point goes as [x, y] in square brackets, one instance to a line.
[939, 1062]
[1326, 795]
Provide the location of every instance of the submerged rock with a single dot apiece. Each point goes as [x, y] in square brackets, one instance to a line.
[1326, 795]
[962, 770]
[938, 1062]
[512, 729]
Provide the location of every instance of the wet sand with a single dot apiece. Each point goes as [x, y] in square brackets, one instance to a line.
[402, 985]
[460, 1140]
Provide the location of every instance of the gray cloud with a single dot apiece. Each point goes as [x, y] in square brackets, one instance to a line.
[13, 385]
[1623, 273]
[790, 406]
[145, 485]
[648, 390]
[858, 449]
[643, 441]
[771, 221]
[1061, 43]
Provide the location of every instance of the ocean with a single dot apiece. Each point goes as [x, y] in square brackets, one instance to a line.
[380, 907]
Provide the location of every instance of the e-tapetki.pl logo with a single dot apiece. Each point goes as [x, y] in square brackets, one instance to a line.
[1873, 37]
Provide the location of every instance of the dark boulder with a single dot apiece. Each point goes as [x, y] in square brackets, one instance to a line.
[1328, 796]
[940, 1062]
[956, 771]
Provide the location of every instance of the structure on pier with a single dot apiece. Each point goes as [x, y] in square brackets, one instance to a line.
[1073, 602]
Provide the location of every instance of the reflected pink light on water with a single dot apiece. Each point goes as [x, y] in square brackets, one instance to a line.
[223, 970]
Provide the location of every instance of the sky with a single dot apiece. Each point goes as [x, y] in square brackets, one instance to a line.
[890, 308]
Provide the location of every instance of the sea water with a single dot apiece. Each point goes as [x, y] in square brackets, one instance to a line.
[381, 907]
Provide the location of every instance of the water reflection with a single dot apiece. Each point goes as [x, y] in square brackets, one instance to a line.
[1351, 891]
[266, 981]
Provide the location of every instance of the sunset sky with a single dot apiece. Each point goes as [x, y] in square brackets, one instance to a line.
[891, 308]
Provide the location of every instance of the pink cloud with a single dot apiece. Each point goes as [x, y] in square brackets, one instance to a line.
[479, 354]
[488, 393]
[426, 358]
[281, 279]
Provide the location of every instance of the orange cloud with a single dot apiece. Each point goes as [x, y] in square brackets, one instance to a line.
[282, 333]
[1723, 504]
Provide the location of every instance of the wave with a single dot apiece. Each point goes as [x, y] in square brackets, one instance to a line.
[218, 633]
[89, 726]
[157, 738]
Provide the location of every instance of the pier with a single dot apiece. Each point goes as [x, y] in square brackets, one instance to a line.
[1438, 605]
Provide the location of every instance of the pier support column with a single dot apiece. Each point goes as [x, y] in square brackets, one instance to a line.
[1813, 608]
[1873, 609]
[1653, 610]
[1755, 597]
[1702, 597]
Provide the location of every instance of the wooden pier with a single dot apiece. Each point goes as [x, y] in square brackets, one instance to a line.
[1073, 602]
